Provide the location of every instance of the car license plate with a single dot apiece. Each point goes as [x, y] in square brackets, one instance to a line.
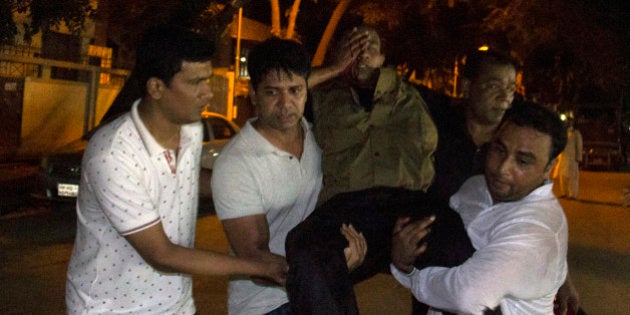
[67, 190]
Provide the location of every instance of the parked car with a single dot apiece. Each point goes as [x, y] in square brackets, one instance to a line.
[60, 172]
[602, 156]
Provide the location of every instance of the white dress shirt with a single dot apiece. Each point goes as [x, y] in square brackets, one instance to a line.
[520, 258]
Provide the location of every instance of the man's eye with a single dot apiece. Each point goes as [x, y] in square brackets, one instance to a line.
[493, 86]
[207, 81]
[496, 148]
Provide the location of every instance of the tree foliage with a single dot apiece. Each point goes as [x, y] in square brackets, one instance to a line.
[208, 17]
[565, 47]
[43, 15]
[8, 29]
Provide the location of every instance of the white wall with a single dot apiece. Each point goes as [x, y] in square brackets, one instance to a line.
[53, 113]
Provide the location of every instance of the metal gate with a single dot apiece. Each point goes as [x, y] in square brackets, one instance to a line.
[11, 96]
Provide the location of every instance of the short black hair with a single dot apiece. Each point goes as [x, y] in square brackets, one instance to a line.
[276, 54]
[535, 116]
[164, 47]
[477, 60]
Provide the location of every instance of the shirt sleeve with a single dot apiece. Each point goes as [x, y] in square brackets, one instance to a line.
[516, 263]
[234, 189]
[122, 191]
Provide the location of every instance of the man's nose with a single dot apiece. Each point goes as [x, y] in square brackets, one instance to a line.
[283, 98]
[506, 165]
[206, 91]
[507, 95]
[364, 55]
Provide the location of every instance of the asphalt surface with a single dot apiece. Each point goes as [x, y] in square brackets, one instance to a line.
[36, 242]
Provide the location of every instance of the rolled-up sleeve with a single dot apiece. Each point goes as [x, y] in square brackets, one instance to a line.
[516, 263]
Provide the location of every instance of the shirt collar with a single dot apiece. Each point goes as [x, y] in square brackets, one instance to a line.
[386, 80]
[150, 144]
[263, 145]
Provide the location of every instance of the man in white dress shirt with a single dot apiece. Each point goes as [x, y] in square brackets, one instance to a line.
[514, 221]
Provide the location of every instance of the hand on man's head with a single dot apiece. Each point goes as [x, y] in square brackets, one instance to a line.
[350, 50]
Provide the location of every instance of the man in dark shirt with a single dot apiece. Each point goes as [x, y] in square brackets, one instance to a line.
[464, 130]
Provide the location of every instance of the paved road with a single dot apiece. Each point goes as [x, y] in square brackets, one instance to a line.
[35, 244]
[16, 181]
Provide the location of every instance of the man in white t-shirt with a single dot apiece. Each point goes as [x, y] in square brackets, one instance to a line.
[514, 221]
[268, 177]
[137, 204]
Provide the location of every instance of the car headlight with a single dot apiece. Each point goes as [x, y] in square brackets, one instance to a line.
[75, 170]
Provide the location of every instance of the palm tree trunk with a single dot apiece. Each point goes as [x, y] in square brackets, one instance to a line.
[275, 17]
[320, 54]
[292, 17]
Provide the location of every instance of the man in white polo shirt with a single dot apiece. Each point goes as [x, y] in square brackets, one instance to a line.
[137, 205]
[268, 177]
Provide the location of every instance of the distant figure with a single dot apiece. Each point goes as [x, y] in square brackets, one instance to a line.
[568, 170]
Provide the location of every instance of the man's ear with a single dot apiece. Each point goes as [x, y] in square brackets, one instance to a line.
[252, 94]
[155, 87]
[252, 98]
[380, 59]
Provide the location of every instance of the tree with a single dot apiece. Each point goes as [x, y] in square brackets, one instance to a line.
[8, 29]
[322, 48]
[206, 16]
[276, 25]
[43, 14]
[565, 45]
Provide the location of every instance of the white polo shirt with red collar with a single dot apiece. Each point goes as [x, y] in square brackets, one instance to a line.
[129, 183]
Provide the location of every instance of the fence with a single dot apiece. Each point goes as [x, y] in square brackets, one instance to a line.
[53, 109]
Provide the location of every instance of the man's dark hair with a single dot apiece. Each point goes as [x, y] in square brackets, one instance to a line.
[163, 49]
[535, 116]
[477, 60]
[275, 54]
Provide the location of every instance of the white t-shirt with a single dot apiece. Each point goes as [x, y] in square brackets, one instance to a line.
[250, 177]
[127, 185]
[520, 259]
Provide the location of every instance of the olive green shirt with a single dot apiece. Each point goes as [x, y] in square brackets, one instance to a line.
[390, 146]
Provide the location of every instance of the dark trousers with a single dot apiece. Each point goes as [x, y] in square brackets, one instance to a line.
[448, 246]
[318, 280]
[284, 309]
